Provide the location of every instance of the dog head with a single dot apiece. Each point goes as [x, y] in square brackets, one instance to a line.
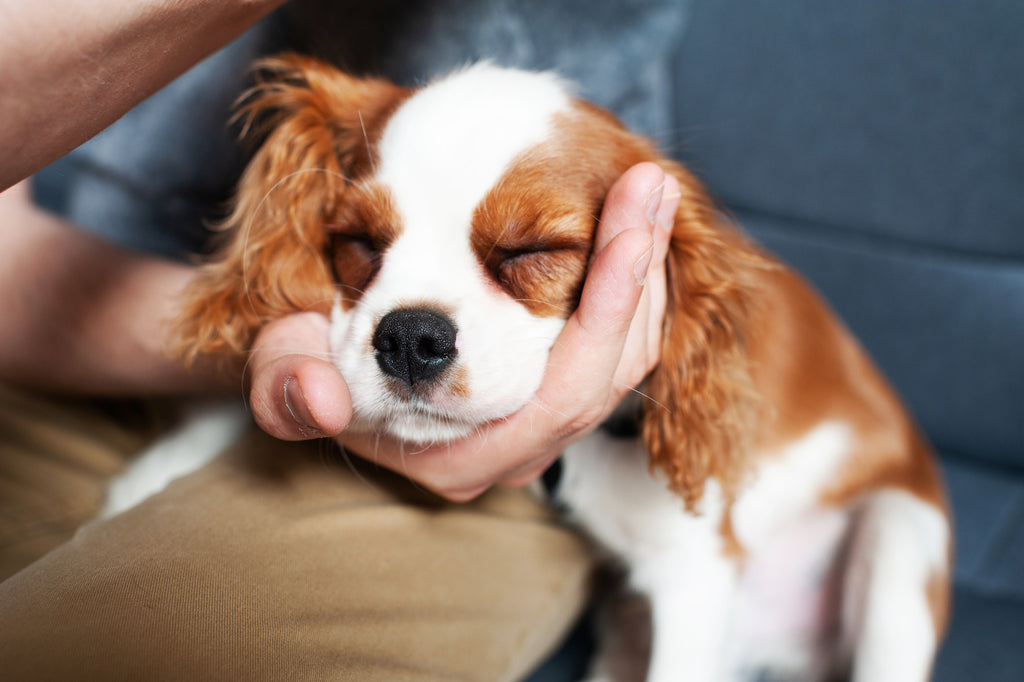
[447, 230]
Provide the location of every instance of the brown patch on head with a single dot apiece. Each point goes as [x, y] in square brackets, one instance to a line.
[534, 230]
[309, 104]
[360, 231]
[533, 234]
[323, 128]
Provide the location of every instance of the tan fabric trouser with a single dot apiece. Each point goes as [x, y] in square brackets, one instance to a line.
[275, 562]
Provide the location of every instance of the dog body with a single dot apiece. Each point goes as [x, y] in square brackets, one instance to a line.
[777, 505]
[832, 554]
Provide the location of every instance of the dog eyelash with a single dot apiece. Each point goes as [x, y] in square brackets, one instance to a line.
[511, 255]
[508, 263]
[364, 243]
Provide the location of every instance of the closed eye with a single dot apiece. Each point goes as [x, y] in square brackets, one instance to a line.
[355, 259]
[360, 243]
[508, 259]
[550, 273]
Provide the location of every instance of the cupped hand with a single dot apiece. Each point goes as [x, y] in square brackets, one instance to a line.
[607, 347]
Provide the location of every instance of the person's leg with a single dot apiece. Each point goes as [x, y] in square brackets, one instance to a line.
[56, 456]
[279, 562]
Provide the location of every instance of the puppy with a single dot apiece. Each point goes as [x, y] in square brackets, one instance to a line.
[775, 503]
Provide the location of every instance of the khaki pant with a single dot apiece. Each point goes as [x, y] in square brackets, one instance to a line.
[275, 562]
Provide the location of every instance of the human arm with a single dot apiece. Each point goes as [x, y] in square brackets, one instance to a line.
[68, 68]
[85, 316]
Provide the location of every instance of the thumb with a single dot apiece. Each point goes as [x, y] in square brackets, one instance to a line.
[296, 393]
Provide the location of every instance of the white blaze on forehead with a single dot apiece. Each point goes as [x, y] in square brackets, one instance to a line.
[450, 143]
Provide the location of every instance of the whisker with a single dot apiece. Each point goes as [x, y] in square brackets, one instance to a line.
[357, 291]
[549, 304]
[366, 141]
[648, 398]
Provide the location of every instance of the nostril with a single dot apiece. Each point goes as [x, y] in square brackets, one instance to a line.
[414, 344]
[429, 347]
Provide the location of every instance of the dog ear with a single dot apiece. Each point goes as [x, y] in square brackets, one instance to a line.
[319, 129]
[703, 406]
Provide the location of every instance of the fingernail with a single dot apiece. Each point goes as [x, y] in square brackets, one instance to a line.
[653, 203]
[641, 264]
[295, 401]
[666, 218]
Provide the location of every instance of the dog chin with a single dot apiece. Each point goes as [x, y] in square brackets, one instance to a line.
[426, 430]
[418, 429]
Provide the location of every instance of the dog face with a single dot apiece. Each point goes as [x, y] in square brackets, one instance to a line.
[452, 224]
[447, 231]
[456, 268]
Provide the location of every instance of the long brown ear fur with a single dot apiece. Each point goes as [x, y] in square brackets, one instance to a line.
[703, 407]
[273, 262]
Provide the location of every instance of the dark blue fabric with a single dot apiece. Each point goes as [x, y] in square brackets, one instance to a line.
[878, 148]
[620, 53]
[901, 119]
[984, 642]
[947, 329]
[988, 518]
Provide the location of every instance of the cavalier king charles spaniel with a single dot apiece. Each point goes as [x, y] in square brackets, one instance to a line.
[773, 499]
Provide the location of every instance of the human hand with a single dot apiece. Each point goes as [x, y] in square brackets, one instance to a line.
[607, 347]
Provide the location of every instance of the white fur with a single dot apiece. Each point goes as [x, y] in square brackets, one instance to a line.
[450, 143]
[674, 558]
[440, 154]
[677, 558]
[714, 619]
[791, 543]
[205, 432]
[900, 544]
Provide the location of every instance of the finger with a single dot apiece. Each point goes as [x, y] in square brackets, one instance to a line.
[595, 335]
[657, 276]
[632, 202]
[635, 354]
[457, 471]
[584, 358]
[296, 393]
[643, 344]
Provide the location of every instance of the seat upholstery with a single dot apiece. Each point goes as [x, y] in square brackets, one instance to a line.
[878, 148]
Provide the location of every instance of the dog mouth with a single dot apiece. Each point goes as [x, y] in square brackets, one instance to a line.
[412, 418]
[417, 377]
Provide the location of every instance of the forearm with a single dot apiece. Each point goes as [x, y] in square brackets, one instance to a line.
[83, 315]
[68, 68]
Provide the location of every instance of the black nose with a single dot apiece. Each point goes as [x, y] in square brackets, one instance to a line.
[414, 344]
